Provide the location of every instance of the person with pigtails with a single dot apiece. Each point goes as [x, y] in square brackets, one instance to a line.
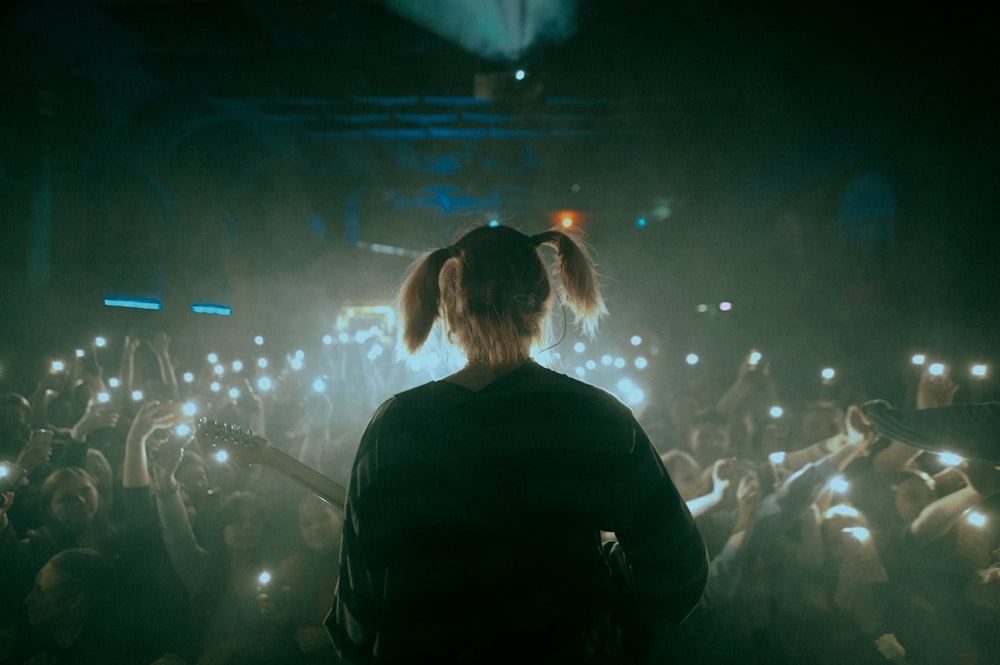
[476, 503]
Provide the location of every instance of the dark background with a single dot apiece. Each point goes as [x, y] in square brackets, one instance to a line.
[830, 170]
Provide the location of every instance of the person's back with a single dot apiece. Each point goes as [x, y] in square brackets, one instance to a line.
[475, 505]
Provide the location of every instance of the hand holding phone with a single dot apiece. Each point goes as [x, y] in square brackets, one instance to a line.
[37, 451]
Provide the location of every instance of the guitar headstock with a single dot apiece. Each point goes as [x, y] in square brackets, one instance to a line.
[240, 443]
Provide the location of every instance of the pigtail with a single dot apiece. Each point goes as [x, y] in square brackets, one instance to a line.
[420, 298]
[580, 291]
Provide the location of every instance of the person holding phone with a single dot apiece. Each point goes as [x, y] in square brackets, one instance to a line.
[476, 503]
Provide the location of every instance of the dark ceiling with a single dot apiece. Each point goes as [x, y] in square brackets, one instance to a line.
[830, 169]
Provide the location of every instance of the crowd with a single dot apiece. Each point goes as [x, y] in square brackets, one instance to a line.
[126, 541]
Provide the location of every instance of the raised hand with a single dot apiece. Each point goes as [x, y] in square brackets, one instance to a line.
[159, 344]
[97, 416]
[935, 390]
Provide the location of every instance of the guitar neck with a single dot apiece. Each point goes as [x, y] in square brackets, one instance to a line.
[306, 476]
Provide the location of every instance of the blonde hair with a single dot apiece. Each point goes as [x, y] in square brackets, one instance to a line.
[493, 292]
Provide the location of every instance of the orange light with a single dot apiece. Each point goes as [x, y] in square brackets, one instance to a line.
[566, 219]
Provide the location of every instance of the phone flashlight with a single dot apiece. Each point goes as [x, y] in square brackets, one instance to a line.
[936, 369]
[100, 342]
[189, 409]
[137, 395]
[234, 393]
[776, 458]
[213, 358]
[221, 456]
[975, 518]
[839, 484]
[828, 373]
[113, 382]
[918, 359]
[182, 430]
[58, 365]
[258, 340]
[188, 377]
[264, 383]
[264, 578]
[978, 371]
[11, 476]
[79, 353]
[754, 358]
[950, 459]
[776, 411]
[237, 365]
[859, 532]
[103, 398]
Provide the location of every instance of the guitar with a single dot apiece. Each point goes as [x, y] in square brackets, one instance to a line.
[246, 448]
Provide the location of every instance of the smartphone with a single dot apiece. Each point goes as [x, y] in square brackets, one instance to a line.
[40, 438]
[11, 477]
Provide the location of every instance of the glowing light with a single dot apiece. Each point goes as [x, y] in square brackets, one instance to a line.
[328, 339]
[296, 364]
[4, 472]
[262, 363]
[189, 409]
[692, 359]
[188, 377]
[103, 398]
[754, 357]
[113, 382]
[219, 310]
[839, 484]
[828, 373]
[215, 386]
[100, 342]
[494, 223]
[567, 222]
[590, 364]
[258, 340]
[619, 363]
[264, 578]
[361, 336]
[978, 371]
[635, 340]
[344, 338]
[776, 411]
[725, 306]
[319, 385]
[234, 393]
[137, 395]
[213, 358]
[264, 383]
[776, 458]
[579, 347]
[133, 303]
[859, 532]
[841, 510]
[219, 370]
[936, 369]
[702, 308]
[918, 359]
[58, 365]
[640, 363]
[950, 459]
[237, 365]
[625, 385]
[635, 396]
[607, 360]
[221, 456]
[580, 372]
[300, 354]
[79, 353]
[182, 430]
[975, 518]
